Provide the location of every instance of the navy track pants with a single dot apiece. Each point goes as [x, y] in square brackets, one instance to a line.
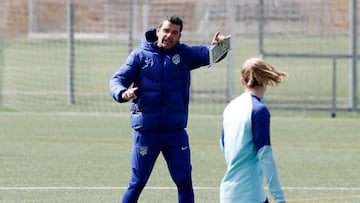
[174, 146]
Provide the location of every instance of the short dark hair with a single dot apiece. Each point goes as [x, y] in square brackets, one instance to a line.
[174, 19]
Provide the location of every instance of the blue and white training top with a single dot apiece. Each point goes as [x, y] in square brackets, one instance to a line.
[245, 142]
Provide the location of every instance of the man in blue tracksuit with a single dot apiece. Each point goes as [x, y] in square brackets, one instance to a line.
[159, 72]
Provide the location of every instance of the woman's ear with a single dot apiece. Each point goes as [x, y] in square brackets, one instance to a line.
[243, 82]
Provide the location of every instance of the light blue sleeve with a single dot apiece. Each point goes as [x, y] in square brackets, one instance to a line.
[268, 166]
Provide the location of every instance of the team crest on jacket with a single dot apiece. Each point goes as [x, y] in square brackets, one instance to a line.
[176, 59]
[143, 150]
[149, 62]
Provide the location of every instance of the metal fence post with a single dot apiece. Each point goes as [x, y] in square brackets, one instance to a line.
[33, 20]
[71, 47]
[333, 114]
[2, 63]
[261, 28]
[353, 51]
[230, 57]
[131, 21]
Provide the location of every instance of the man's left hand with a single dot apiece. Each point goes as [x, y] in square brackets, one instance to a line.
[218, 39]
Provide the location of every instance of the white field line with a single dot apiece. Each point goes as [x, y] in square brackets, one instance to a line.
[162, 188]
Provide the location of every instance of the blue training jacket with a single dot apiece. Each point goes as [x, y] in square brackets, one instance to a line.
[163, 81]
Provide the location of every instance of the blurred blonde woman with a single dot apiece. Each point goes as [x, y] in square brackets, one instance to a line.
[245, 139]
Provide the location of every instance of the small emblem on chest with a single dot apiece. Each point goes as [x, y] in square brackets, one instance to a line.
[149, 62]
[143, 150]
[176, 59]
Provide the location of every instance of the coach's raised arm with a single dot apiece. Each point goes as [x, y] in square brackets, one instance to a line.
[156, 79]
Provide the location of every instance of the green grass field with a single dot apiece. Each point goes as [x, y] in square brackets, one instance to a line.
[66, 157]
[85, 157]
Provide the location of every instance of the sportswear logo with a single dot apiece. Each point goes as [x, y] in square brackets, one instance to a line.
[176, 59]
[143, 150]
[184, 148]
[149, 62]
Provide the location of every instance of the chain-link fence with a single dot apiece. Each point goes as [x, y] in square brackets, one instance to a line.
[40, 57]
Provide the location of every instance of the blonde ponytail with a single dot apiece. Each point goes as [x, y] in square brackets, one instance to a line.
[257, 72]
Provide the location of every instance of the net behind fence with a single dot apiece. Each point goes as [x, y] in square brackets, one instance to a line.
[35, 51]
